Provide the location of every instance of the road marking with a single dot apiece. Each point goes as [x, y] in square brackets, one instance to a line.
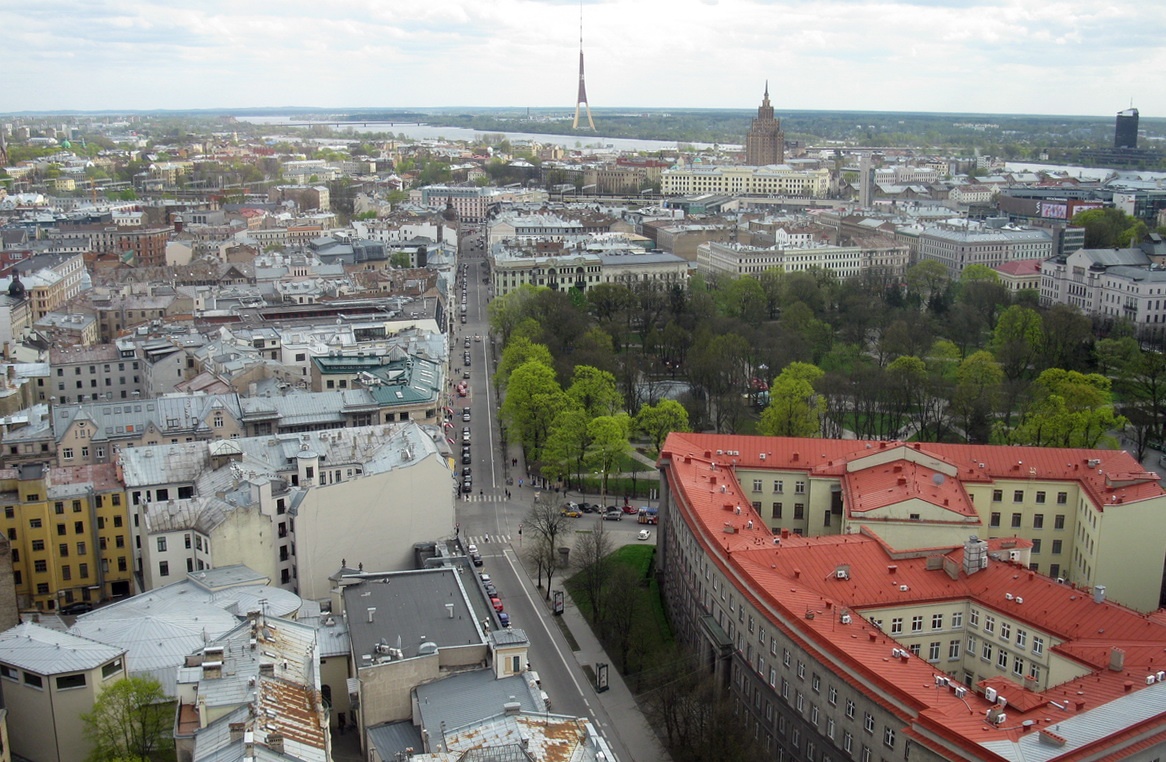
[541, 609]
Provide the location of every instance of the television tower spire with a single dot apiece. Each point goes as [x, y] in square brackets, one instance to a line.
[581, 99]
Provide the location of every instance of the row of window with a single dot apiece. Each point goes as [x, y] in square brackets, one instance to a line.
[121, 366]
[1018, 496]
[779, 486]
[1038, 520]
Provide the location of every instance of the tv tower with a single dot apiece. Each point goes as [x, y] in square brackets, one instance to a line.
[581, 100]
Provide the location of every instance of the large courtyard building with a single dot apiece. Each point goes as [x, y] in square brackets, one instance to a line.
[777, 180]
[735, 259]
[956, 249]
[864, 600]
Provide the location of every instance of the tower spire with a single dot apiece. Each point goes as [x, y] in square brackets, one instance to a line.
[581, 98]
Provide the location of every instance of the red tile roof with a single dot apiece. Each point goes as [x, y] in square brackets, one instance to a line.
[1019, 267]
[797, 580]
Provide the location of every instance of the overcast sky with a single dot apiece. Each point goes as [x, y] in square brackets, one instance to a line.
[994, 56]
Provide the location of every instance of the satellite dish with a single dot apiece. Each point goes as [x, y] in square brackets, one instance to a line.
[938, 479]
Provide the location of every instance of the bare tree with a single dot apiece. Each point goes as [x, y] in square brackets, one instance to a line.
[698, 721]
[546, 525]
[593, 560]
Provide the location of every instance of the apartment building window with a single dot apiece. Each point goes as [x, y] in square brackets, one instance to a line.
[1016, 521]
[164, 568]
[62, 549]
[974, 618]
[61, 530]
[777, 510]
[937, 621]
[914, 649]
[799, 488]
[1038, 519]
[868, 722]
[1055, 571]
[1005, 631]
[847, 742]
[816, 683]
[38, 545]
[40, 565]
[83, 571]
[917, 623]
[889, 737]
[1059, 521]
[832, 696]
[799, 511]
[933, 651]
[1018, 496]
[1062, 498]
[58, 508]
[1002, 659]
[756, 485]
[953, 649]
[33, 523]
[989, 623]
[801, 670]
[778, 486]
[66, 572]
[78, 527]
[1038, 645]
[994, 519]
[1036, 545]
[997, 495]
[850, 709]
[1018, 666]
[830, 728]
[1056, 547]
[161, 544]
[896, 625]
[986, 651]
[1034, 672]
[1040, 497]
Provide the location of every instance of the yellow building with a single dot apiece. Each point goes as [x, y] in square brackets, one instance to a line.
[777, 180]
[69, 532]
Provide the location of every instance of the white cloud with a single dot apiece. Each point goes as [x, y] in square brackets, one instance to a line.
[1070, 56]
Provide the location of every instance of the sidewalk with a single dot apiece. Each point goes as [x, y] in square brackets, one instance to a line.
[625, 719]
[621, 715]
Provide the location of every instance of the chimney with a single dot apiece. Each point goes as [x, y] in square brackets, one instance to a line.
[975, 555]
[449, 610]
[1099, 593]
[1117, 659]
[371, 610]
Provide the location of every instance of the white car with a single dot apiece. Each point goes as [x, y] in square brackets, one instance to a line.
[644, 534]
[472, 549]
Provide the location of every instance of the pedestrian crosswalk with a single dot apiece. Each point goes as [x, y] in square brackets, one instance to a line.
[486, 539]
[484, 498]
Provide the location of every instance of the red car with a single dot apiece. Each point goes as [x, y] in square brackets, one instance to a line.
[496, 602]
[630, 509]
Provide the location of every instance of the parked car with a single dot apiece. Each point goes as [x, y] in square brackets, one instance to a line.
[613, 515]
[465, 374]
[466, 414]
[572, 513]
[466, 472]
[630, 510]
[476, 558]
[466, 435]
[471, 548]
[496, 602]
[644, 534]
[503, 619]
[467, 487]
[80, 607]
[491, 590]
[466, 458]
[466, 343]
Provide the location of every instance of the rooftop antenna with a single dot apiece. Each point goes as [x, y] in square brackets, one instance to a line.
[581, 99]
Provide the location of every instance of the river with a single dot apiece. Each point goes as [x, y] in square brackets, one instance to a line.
[587, 143]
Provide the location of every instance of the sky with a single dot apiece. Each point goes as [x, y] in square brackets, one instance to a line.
[1088, 57]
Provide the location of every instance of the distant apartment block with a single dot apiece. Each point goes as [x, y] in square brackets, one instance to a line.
[584, 270]
[733, 259]
[1121, 284]
[956, 249]
[779, 180]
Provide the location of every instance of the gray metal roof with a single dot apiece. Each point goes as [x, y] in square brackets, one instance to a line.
[394, 737]
[157, 644]
[49, 652]
[1085, 728]
[469, 698]
[410, 607]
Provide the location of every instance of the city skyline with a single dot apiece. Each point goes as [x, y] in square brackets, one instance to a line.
[959, 56]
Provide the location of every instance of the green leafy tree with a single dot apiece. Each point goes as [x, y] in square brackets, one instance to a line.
[926, 280]
[658, 421]
[400, 259]
[1071, 409]
[569, 440]
[520, 350]
[131, 720]
[795, 409]
[533, 399]
[1018, 341]
[1109, 228]
[977, 394]
[609, 444]
[594, 391]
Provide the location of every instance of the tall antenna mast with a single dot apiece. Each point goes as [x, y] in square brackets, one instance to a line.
[581, 99]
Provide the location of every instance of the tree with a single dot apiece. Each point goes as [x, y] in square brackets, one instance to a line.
[926, 280]
[609, 443]
[545, 525]
[568, 442]
[795, 409]
[518, 351]
[658, 421]
[400, 259]
[533, 399]
[977, 392]
[696, 719]
[1109, 228]
[594, 391]
[1018, 340]
[1070, 409]
[130, 720]
[592, 556]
